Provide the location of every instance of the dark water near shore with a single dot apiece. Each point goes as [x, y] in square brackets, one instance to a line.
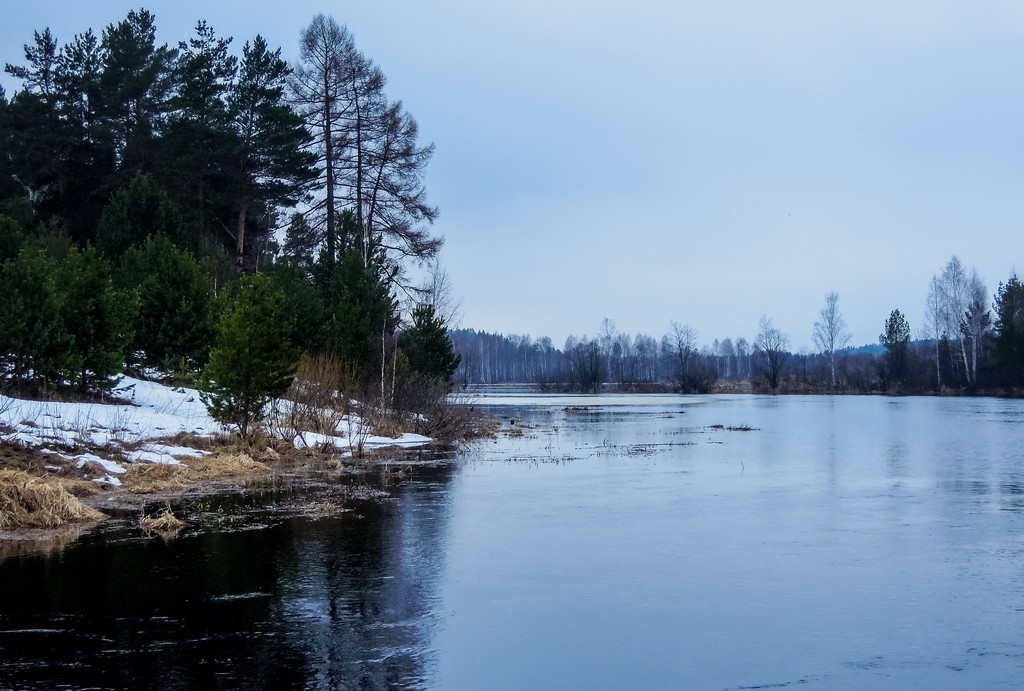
[842, 543]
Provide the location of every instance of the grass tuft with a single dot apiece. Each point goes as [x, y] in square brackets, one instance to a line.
[28, 501]
[165, 524]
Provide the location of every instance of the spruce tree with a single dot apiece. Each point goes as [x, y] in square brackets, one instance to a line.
[253, 360]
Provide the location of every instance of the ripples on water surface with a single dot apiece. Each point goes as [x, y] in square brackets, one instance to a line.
[606, 542]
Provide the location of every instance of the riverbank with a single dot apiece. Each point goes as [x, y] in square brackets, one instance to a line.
[61, 462]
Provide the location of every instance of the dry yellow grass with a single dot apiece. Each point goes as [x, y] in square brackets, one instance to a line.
[147, 478]
[28, 501]
[164, 523]
[223, 465]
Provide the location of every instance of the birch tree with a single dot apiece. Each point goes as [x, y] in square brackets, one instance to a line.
[935, 322]
[830, 332]
[976, 321]
[955, 294]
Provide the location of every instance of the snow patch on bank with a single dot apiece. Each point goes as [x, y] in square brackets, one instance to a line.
[156, 411]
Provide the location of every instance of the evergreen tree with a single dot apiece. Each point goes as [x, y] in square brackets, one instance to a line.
[12, 235]
[34, 345]
[361, 313]
[97, 316]
[1008, 337]
[303, 305]
[253, 361]
[198, 141]
[89, 162]
[896, 339]
[140, 210]
[174, 325]
[137, 78]
[428, 347]
[271, 167]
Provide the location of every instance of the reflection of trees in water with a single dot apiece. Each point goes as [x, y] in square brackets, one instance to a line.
[358, 597]
[345, 602]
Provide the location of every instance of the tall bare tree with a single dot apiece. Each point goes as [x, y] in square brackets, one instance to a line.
[367, 146]
[772, 344]
[680, 346]
[955, 295]
[317, 90]
[935, 322]
[830, 332]
[976, 321]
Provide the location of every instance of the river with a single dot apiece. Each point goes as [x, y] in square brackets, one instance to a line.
[722, 542]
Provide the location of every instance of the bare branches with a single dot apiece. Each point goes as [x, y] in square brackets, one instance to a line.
[830, 332]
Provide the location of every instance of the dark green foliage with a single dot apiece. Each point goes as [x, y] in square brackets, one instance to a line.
[140, 210]
[97, 317]
[12, 235]
[34, 345]
[271, 165]
[253, 360]
[361, 313]
[174, 325]
[137, 81]
[303, 306]
[896, 339]
[1008, 337]
[198, 144]
[428, 347]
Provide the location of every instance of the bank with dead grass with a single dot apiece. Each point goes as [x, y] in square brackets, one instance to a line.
[30, 501]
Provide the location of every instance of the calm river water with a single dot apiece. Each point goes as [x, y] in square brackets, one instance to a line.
[617, 542]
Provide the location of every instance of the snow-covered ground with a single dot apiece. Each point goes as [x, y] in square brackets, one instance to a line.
[130, 432]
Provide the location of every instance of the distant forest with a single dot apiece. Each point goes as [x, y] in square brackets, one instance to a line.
[964, 346]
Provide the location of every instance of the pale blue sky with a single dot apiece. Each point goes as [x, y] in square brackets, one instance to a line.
[698, 162]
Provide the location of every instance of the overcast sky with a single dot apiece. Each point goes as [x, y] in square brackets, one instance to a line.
[699, 162]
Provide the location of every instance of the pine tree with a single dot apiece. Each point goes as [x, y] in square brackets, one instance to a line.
[97, 316]
[428, 347]
[361, 313]
[174, 325]
[270, 166]
[137, 79]
[253, 360]
[198, 142]
[140, 210]
[34, 345]
[1008, 337]
[896, 339]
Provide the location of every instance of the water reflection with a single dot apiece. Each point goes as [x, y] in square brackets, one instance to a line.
[845, 542]
[344, 602]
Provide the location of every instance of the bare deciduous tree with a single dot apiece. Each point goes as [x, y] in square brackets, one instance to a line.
[935, 322]
[975, 321]
[772, 344]
[367, 147]
[830, 332]
[679, 346]
[955, 295]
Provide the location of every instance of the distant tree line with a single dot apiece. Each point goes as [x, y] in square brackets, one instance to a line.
[213, 215]
[967, 345]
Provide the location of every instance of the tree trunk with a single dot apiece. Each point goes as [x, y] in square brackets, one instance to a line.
[243, 211]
